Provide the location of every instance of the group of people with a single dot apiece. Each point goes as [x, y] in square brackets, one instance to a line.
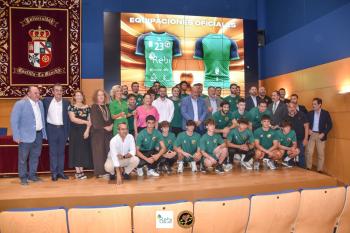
[124, 132]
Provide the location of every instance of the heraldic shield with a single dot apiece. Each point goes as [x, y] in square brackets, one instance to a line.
[39, 49]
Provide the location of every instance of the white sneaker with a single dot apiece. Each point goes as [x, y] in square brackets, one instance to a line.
[180, 168]
[237, 157]
[271, 164]
[227, 167]
[140, 172]
[242, 157]
[151, 172]
[194, 166]
[246, 165]
[256, 165]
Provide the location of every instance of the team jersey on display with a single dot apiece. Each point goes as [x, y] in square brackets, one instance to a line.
[216, 50]
[158, 50]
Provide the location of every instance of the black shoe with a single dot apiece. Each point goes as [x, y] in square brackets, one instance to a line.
[111, 177]
[24, 182]
[219, 169]
[62, 176]
[54, 177]
[203, 169]
[126, 176]
[34, 179]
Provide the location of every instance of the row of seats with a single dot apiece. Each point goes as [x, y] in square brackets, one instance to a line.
[306, 211]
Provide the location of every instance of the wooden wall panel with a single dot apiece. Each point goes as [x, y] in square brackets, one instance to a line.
[325, 81]
[88, 86]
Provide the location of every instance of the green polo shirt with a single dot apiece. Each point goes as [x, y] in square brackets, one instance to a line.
[131, 120]
[236, 115]
[255, 116]
[169, 141]
[222, 120]
[233, 101]
[239, 138]
[139, 99]
[286, 139]
[177, 119]
[188, 143]
[265, 138]
[148, 141]
[209, 143]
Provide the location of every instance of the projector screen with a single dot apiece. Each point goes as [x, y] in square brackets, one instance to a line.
[173, 48]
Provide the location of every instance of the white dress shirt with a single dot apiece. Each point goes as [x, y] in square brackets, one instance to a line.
[37, 115]
[195, 109]
[275, 106]
[165, 109]
[255, 101]
[54, 114]
[119, 147]
[316, 121]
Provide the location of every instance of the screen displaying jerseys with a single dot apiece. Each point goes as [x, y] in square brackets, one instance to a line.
[158, 50]
[216, 50]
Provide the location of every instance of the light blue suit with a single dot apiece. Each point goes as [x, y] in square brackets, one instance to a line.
[23, 121]
[188, 114]
[23, 126]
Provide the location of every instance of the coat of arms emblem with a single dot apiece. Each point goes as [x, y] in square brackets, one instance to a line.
[39, 49]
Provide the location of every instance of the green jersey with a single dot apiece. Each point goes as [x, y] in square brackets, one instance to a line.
[139, 99]
[188, 143]
[286, 139]
[237, 115]
[209, 143]
[222, 120]
[131, 120]
[216, 50]
[158, 50]
[148, 141]
[177, 119]
[169, 141]
[240, 137]
[233, 101]
[255, 116]
[265, 138]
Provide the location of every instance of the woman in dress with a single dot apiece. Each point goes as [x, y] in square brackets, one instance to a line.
[101, 132]
[142, 112]
[79, 140]
[118, 108]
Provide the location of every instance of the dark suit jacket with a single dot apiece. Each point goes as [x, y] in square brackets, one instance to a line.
[325, 122]
[249, 103]
[65, 117]
[280, 114]
[208, 104]
[303, 109]
[187, 110]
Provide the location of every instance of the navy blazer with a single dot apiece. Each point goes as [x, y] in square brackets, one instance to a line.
[249, 103]
[325, 122]
[65, 117]
[187, 110]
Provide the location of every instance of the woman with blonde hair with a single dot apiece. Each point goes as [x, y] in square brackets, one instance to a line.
[118, 108]
[101, 132]
[79, 140]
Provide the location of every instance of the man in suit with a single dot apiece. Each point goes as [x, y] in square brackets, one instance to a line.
[251, 101]
[57, 124]
[320, 125]
[283, 93]
[28, 128]
[278, 109]
[301, 108]
[193, 108]
[212, 103]
[262, 96]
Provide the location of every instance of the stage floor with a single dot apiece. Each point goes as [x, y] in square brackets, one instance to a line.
[187, 186]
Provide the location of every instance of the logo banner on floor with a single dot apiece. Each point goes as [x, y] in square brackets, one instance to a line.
[40, 45]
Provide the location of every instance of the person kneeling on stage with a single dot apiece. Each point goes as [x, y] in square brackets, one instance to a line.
[168, 159]
[223, 119]
[146, 142]
[240, 140]
[287, 144]
[266, 143]
[213, 148]
[187, 147]
[121, 155]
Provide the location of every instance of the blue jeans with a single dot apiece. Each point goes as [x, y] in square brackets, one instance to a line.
[33, 151]
[302, 162]
[57, 143]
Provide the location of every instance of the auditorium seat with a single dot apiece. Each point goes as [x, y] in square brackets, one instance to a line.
[116, 218]
[147, 216]
[344, 219]
[229, 215]
[319, 209]
[43, 220]
[273, 212]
